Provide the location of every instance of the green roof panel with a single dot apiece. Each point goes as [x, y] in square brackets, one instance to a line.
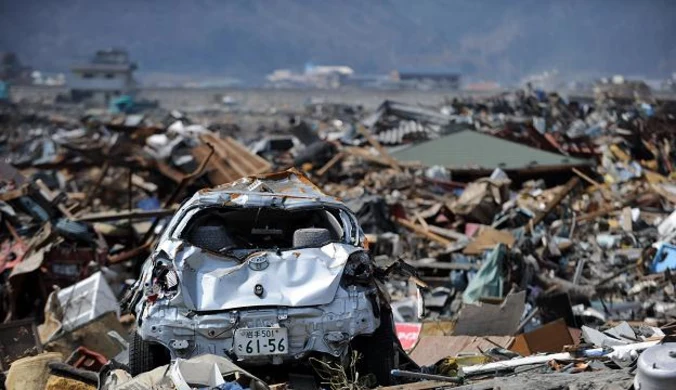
[468, 149]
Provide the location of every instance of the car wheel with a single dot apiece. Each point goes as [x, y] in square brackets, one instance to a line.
[144, 356]
[377, 350]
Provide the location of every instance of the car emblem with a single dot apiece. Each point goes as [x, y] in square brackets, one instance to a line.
[258, 263]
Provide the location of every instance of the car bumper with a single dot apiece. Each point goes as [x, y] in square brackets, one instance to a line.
[324, 329]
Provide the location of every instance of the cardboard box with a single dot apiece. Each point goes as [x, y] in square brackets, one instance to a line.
[551, 337]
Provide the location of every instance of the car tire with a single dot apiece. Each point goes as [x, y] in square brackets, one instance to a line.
[377, 351]
[144, 356]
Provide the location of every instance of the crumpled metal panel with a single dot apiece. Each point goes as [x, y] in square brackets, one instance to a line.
[288, 184]
[306, 277]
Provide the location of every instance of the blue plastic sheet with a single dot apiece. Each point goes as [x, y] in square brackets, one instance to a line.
[664, 259]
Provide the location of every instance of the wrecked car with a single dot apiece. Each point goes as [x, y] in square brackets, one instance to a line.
[264, 270]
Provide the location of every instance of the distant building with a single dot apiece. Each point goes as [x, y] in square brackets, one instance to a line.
[428, 79]
[286, 78]
[367, 81]
[12, 70]
[108, 75]
[619, 88]
[548, 80]
[51, 80]
[314, 76]
[670, 84]
[327, 76]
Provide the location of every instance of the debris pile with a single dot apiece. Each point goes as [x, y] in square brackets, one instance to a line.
[540, 233]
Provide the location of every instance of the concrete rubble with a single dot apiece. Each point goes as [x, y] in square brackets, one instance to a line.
[523, 240]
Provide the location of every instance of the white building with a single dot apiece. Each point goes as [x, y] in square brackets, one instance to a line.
[108, 75]
[317, 76]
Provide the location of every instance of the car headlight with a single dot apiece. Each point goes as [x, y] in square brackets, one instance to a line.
[358, 270]
[164, 281]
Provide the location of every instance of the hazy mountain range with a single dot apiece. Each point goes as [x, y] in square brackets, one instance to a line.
[492, 39]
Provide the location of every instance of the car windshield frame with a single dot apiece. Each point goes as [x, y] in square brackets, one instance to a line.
[352, 233]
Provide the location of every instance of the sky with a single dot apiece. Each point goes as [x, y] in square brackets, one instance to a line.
[247, 39]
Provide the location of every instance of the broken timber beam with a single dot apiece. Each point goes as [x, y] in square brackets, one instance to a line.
[421, 231]
[607, 210]
[92, 192]
[570, 185]
[334, 160]
[383, 153]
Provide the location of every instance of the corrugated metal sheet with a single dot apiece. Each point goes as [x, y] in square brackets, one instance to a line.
[408, 131]
[231, 161]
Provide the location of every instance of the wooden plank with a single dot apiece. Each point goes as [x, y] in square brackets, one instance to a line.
[570, 185]
[419, 230]
[627, 225]
[129, 254]
[447, 233]
[587, 178]
[382, 151]
[488, 238]
[97, 184]
[608, 209]
[422, 221]
[170, 172]
[334, 160]
[595, 186]
[139, 182]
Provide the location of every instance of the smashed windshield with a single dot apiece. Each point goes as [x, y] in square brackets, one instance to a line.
[226, 230]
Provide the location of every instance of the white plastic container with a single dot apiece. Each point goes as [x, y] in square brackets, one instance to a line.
[657, 368]
[87, 300]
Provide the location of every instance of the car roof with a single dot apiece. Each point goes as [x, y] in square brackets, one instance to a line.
[291, 186]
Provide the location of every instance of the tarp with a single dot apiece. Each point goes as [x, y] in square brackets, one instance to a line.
[488, 280]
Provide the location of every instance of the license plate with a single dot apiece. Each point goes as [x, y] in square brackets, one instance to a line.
[261, 341]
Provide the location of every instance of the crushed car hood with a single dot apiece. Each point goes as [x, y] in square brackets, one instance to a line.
[299, 277]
